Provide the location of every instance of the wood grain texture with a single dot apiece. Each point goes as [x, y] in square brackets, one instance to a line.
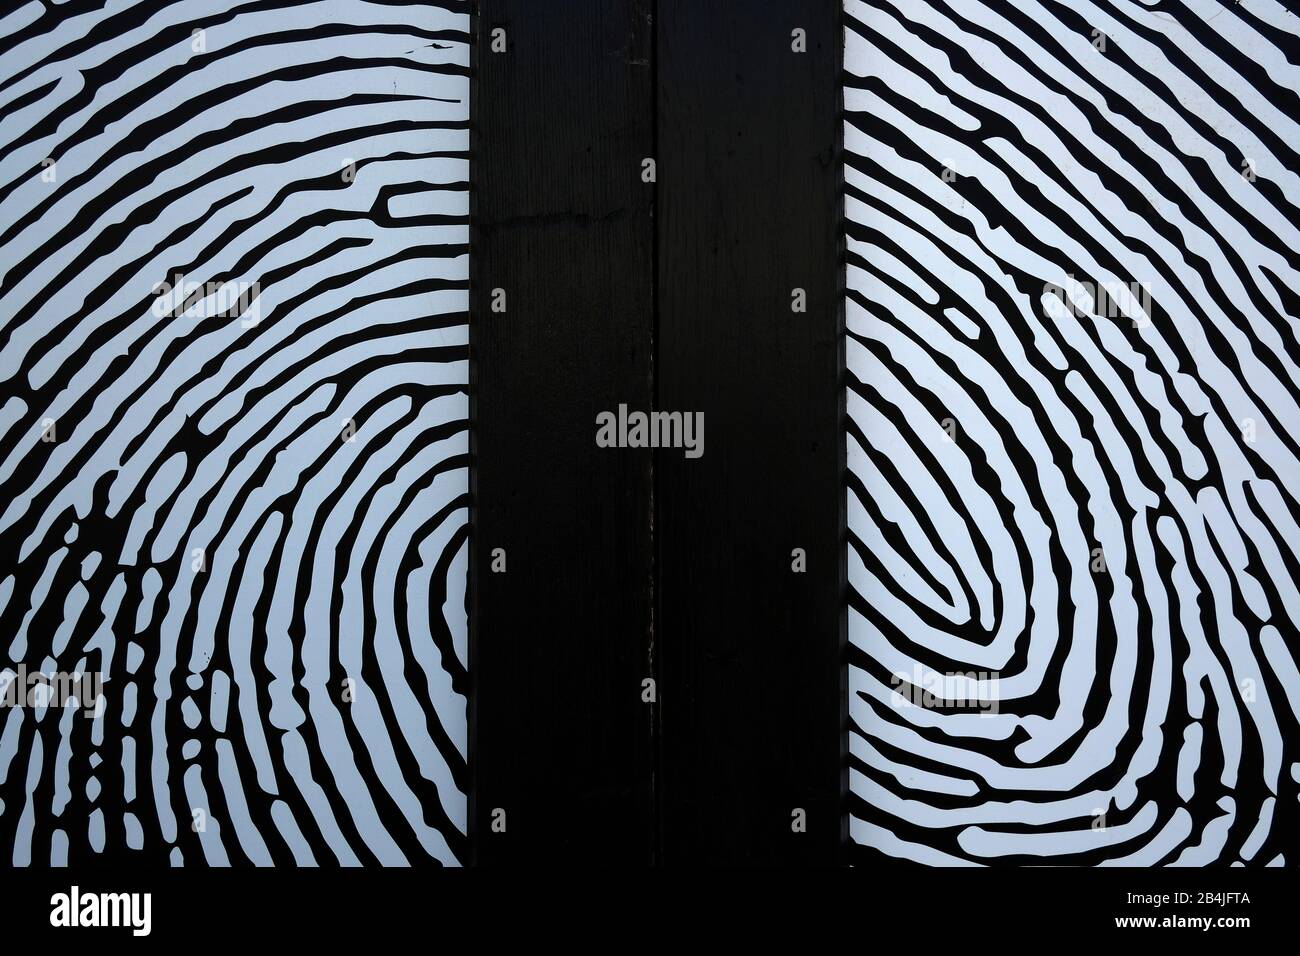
[629, 563]
[560, 642]
[750, 652]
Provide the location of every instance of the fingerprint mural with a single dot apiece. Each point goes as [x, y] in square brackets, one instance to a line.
[233, 432]
[1072, 357]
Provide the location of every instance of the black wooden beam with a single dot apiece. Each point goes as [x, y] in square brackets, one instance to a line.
[750, 650]
[560, 736]
[624, 564]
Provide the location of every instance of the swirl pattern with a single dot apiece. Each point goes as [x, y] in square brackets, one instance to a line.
[1072, 431]
[233, 430]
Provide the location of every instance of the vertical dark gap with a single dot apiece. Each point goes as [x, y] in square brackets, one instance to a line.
[656, 730]
[842, 445]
